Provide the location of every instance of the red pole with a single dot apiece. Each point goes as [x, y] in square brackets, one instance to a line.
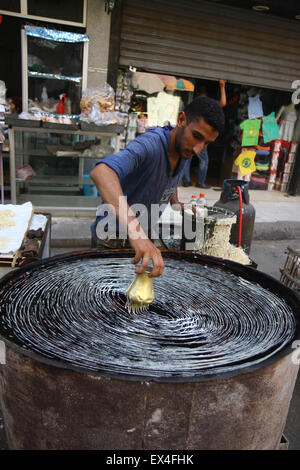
[241, 215]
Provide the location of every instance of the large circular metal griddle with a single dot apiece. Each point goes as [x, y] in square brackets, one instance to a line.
[210, 317]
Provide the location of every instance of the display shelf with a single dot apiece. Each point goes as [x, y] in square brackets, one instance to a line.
[68, 153]
[60, 177]
[14, 120]
[114, 128]
[66, 127]
[68, 206]
[51, 76]
[56, 180]
[45, 153]
[83, 128]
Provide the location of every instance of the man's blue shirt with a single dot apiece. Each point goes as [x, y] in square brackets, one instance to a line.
[144, 169]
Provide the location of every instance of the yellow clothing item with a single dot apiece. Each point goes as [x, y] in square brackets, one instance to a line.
[245, 162]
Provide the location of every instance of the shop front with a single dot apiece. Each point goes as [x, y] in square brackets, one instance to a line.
[204, 42]
[51, 143]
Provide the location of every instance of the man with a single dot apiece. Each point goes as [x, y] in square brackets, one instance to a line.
[203, 155]
[149, 170]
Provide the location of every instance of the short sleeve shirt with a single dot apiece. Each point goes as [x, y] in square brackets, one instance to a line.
[250, 129]
[270, 128]
[144, 169]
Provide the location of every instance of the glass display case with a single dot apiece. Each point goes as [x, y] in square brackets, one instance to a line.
[50, 167]
[54, 65]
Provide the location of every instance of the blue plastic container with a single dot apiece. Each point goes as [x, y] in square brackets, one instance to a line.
[89, 189]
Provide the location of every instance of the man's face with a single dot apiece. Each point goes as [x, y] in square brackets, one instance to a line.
[193, 137]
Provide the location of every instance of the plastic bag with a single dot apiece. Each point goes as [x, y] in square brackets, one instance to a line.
[97, 106]
[34, 117]
[25, 172]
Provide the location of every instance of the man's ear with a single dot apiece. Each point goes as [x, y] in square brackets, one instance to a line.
[181, 119]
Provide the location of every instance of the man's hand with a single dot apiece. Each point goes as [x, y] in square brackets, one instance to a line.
[178, 206]
[222, 83]
[109, 188]
[181, 206]
[145, 250]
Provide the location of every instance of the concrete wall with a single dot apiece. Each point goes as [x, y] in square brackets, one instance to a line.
[98, 29]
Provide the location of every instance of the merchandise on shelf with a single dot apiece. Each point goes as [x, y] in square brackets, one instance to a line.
[97, 106]
[25, 172]
[60, 108]
[123, 92]
[52, 118]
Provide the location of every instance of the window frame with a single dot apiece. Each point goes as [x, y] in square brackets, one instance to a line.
[24, 14]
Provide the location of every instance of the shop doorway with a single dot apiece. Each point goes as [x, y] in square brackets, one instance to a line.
[134, 97]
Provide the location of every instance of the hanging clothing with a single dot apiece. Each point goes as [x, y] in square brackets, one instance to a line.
[296, 136]
[250, 129]
[270, 128]
[262, 166]
[255, 109]
[287, 124]
[245, 162]
[131, 128]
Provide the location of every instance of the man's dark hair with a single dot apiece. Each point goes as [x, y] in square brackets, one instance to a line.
[208, 109]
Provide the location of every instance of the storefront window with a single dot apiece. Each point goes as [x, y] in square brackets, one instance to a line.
[49, 72]
[54, 64]
[11, 5]
[69, 10]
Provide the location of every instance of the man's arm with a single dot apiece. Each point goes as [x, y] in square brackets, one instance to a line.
[176, 205]
[222, 101]
[109, 188]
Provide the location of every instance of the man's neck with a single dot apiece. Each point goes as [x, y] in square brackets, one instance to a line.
[173, 155]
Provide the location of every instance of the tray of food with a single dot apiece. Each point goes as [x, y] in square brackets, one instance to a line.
[14, 224]
[59, 122]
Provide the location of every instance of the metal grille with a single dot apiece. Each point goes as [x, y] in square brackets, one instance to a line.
[199, 39]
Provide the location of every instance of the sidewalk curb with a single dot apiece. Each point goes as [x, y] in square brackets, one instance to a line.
[70, 242]
[283, 230]
[76, 232]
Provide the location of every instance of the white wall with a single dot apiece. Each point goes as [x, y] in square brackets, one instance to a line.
[98, 29]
